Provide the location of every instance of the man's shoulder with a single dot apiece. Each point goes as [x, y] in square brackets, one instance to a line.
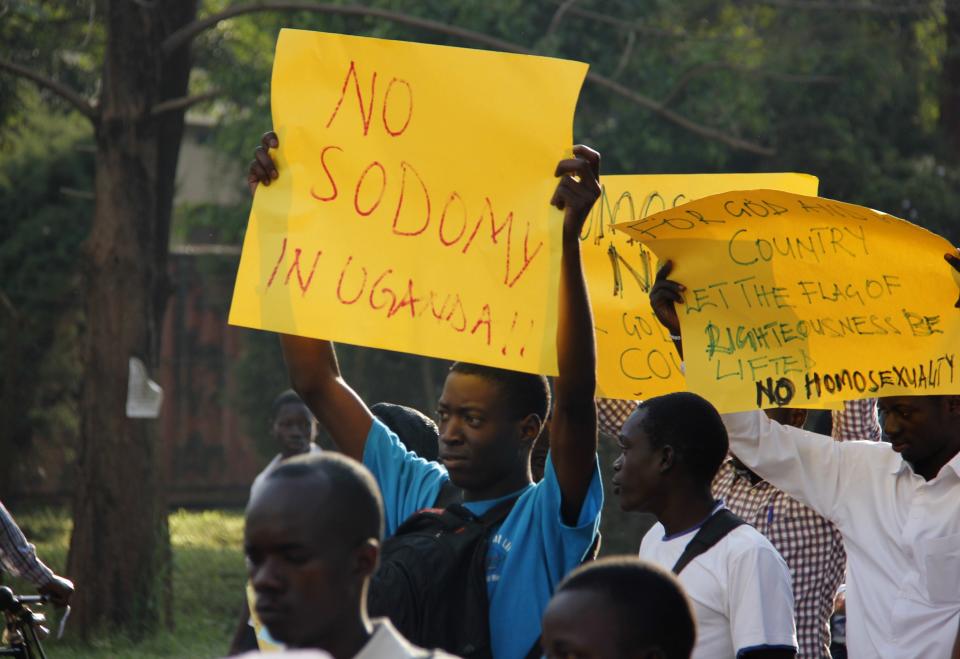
[744, 539]
[545, 496]
[745, 546]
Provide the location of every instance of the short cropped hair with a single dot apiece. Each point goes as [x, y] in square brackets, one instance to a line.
[524, 393]
[288, 397]
[417, 431]
[652, 611]
[356, 509]
[692, 427]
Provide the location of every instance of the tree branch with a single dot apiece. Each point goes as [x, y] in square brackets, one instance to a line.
[625, 55]
[183, 102]
[64, 92]
[671, 116]
[558, 16]
[893, 7]
[620, 23]
[187, 33]
[695, 71]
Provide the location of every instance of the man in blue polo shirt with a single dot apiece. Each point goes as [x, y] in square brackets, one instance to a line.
[488, 420]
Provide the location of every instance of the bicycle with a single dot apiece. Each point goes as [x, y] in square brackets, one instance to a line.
[23, 628]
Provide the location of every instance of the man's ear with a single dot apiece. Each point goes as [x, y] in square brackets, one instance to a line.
[668, 458]
[530, 428]
[366, 557]
[953, 405]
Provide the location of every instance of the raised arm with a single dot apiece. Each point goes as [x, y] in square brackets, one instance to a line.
[573, 430]
[19, 557]
[315, 376]
[811, 468]
[312, 363]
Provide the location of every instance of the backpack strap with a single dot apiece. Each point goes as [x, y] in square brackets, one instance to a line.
[455, 515]
[449, 494]
[713, 531]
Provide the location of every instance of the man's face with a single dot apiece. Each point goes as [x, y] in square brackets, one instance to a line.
[787, 416]
[480, 444]
[578, 624]
[917, 427]
[293, 429]
[637, 478]
[304, 580]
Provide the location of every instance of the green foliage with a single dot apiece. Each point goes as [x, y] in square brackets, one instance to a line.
[62, 39]
[208, 585]
[209, 223]
[41, 314]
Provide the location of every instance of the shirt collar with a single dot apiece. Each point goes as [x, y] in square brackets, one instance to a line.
[386, 641]
[953, 464]
[900, 466]
[717, 505]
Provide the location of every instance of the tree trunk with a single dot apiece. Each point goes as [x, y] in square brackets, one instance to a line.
[120, 550]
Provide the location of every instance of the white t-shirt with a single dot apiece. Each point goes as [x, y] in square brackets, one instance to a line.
[740, 589]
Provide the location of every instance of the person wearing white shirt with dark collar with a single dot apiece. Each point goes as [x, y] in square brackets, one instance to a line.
[896, 504]
[312, 540]
[671, 448]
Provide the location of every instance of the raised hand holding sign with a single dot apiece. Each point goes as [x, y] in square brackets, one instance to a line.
[411, 212]
[802, 301]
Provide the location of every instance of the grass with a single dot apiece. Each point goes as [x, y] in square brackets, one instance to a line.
[208, 585]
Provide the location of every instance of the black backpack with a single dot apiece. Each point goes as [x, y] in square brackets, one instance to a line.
[432, 577]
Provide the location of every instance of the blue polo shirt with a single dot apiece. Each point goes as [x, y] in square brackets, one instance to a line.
[529, 554]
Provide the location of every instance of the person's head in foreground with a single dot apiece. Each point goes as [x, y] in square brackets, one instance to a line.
[293, 427]
[925, 430]
[619, 608]
[489, 419]
[671, 445]
[312, 540]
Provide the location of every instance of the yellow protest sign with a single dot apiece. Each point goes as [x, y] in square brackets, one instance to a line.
[803, 301]
[635, 357]
[412, 208]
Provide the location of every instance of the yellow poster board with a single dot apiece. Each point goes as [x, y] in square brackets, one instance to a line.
[635, 357]
[412, 208]
[803, 301]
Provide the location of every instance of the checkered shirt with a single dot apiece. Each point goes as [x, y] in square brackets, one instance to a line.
[811, 546]
[857, 420]
[611, 414]
[17, 555]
